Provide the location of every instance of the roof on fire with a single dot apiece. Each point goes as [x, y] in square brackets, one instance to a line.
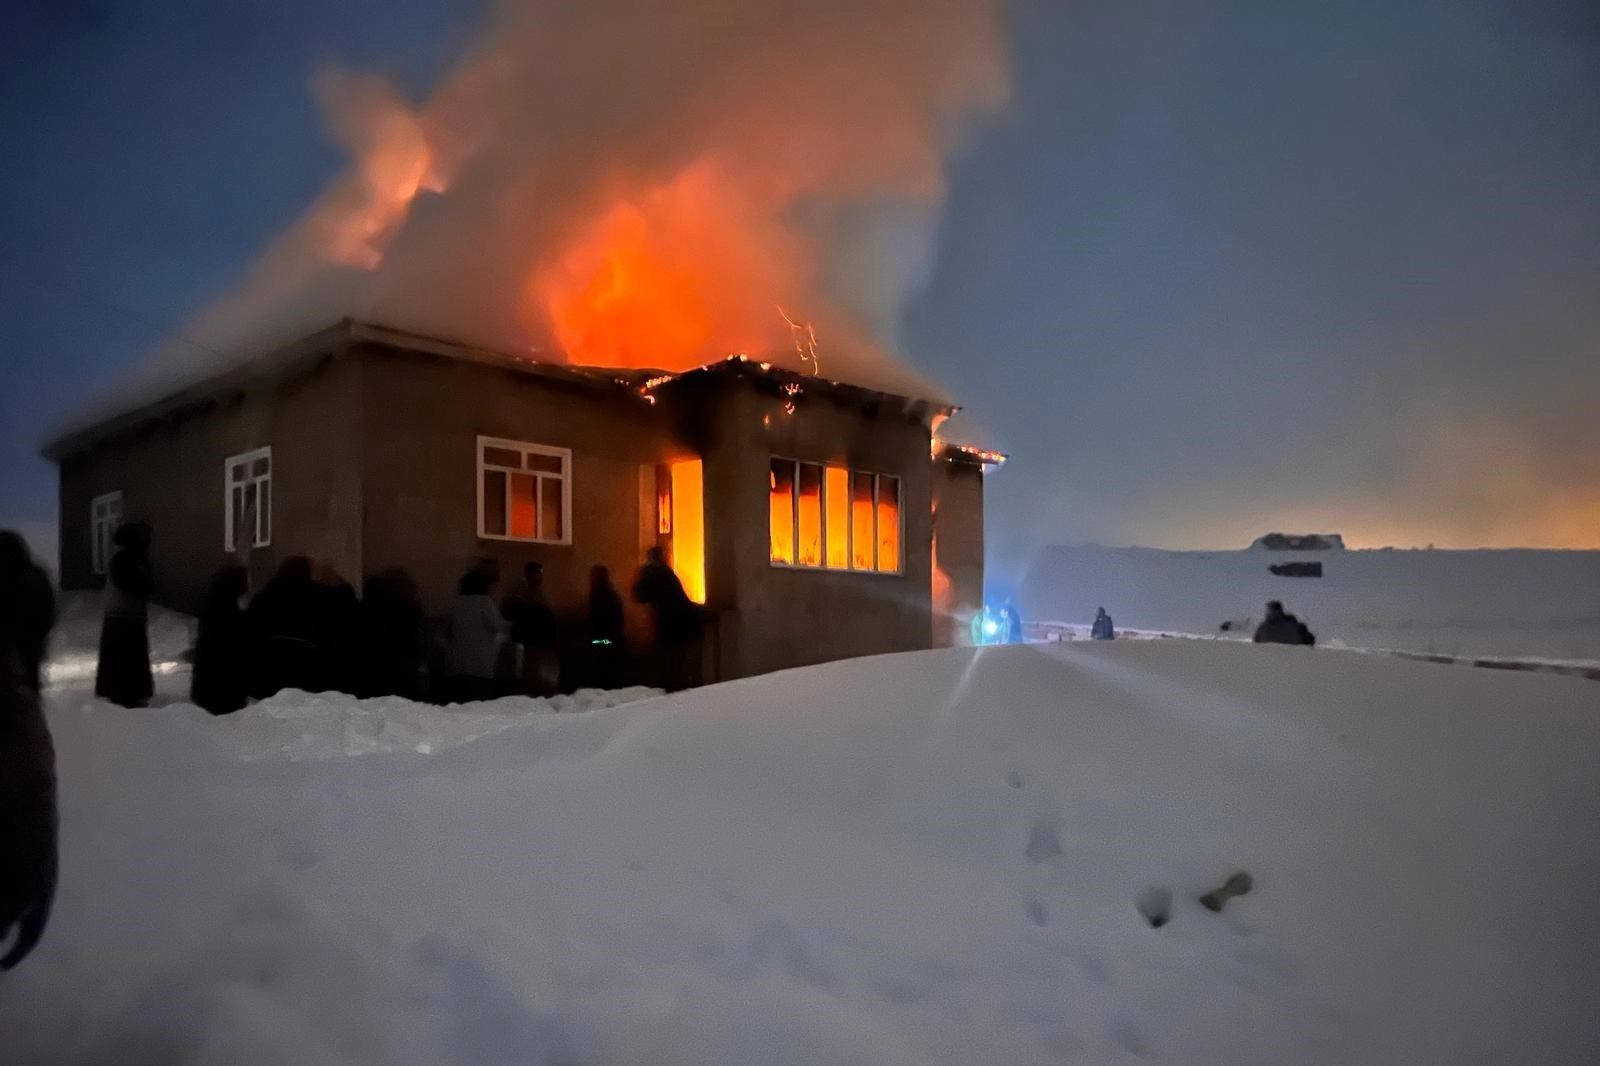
[154, 397]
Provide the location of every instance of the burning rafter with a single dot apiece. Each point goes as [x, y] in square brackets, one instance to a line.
[805, 341]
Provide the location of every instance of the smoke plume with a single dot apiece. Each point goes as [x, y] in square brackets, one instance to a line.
[650, 185]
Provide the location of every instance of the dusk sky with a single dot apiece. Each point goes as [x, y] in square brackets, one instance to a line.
[1212, 269]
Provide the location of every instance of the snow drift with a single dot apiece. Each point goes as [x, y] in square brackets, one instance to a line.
[942, 857]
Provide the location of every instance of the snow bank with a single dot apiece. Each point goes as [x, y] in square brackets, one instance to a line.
[935, 858]
[299, 725]
[1508, 604]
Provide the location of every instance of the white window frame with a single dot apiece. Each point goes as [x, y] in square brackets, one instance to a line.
[541, 478]
[105, 515]
[794, 510]
[261, 535]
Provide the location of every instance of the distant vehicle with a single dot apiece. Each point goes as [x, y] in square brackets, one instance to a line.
[1296, 569]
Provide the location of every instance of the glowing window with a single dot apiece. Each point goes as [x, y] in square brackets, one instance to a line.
[836, 501]
[524, 492]
[808, 491]
[861, 516]
[888, 523]
[781, 508]
[830, 516]
[686, 499]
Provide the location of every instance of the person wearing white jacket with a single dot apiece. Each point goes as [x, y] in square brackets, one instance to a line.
[476, 633]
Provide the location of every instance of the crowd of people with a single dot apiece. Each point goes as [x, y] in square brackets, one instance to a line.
[307, 628]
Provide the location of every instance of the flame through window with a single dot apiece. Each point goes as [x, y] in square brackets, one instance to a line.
[830, 517]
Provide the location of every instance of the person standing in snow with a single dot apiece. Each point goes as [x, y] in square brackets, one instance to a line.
[285, 628]
[476, 629]
[390, 649]
[534, 633]
[123, 674]
[221, 678]
[338, 613]
[1102, 629]
[608, 650]
[1013, 622]
[31, 613]
[1281, 627]
[28, 821]
[28, 863]
[677, 622]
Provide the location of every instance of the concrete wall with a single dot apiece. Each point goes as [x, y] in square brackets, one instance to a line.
[424, 417]
[958, 550]
[778, 617]
[172, 475]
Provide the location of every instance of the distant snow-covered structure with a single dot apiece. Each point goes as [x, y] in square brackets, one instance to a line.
[1299, 542]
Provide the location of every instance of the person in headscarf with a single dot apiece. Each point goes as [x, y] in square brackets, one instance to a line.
[28, 825]
[31, 610]
[606, 631]
[221, 680]
[123, 676]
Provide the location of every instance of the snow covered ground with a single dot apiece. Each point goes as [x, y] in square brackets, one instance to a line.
[934, 858]
[1510, 604]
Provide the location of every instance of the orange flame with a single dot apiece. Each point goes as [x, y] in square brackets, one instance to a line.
[673, 278]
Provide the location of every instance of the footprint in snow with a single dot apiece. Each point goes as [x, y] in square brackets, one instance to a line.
[1155, 904]
[1034, 908]
[1044, 840]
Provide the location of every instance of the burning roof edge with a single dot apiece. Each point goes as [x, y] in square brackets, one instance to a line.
[156, 399]
[969, 454]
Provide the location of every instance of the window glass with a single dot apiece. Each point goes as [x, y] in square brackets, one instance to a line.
[781, 511]
[888, 524]
[809, 550]
[861, 534]
[494, 503]
[836, 498]
[523, 507]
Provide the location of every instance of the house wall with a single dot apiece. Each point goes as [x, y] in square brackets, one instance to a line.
[779, 617]
[172, 475]
[957, 550]
[420, 438]
[375, 465]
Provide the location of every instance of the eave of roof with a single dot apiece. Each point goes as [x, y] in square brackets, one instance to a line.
[334, 341]
[970, 454]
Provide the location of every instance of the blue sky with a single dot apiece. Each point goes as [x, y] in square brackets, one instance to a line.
[1220, 267]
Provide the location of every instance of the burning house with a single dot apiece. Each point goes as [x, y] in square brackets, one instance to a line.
[815, 519]
[594, 220]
